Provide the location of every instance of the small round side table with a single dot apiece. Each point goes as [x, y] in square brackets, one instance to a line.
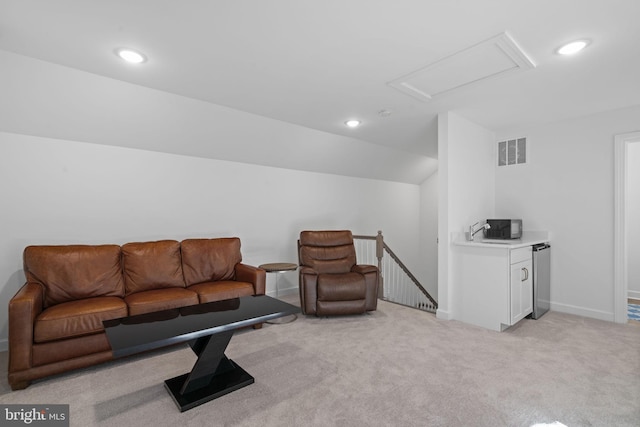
[277, 268]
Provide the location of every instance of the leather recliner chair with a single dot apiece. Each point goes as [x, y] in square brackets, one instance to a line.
[331, 282]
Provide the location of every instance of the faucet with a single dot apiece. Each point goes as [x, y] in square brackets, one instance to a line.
[472, 233]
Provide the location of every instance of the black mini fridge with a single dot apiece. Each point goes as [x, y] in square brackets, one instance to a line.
[541, 279]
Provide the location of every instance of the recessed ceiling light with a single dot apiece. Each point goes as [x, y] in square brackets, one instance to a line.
[353, 123]
[573, 47]
[131, 55]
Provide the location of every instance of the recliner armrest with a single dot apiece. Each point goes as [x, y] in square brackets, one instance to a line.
[308, 270]
[371, 277]
[364, 268]
[308, 289]
[24, 307]
[251, 274]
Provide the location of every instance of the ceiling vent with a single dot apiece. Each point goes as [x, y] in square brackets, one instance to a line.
[490, 58]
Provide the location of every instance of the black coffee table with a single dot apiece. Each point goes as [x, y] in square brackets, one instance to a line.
[207, 328]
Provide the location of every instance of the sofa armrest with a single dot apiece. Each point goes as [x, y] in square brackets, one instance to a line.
[254, 275]
[24, 307]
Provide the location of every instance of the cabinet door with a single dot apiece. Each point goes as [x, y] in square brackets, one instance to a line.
[521, 289]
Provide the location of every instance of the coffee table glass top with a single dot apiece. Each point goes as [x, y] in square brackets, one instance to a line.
[143, 332]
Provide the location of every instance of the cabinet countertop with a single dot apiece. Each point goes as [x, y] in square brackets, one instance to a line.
[529, 238]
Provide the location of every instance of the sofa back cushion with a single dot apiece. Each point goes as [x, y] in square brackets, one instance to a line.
[209, 260]
[327, 252]
[73, 272]
[152, 265]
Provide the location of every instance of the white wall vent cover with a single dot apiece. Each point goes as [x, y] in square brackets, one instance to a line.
[484, 60]
[512, 152]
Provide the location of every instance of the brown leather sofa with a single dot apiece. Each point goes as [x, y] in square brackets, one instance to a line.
[331, 282]
[55, 319]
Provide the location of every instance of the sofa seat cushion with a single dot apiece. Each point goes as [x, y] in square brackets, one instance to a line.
[221, 290]
[160, 299]
[341, 287]
[77, 318]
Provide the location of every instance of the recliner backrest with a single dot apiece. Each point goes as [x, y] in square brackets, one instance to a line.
[327, 251]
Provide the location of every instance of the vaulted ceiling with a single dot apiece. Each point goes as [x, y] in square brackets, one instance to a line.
[319, 63]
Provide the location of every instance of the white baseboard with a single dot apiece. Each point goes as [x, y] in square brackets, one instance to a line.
[633, 294]
[283, 292]
[581, 311]
[444, 315]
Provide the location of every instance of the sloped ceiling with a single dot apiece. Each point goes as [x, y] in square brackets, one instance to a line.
[317, 64]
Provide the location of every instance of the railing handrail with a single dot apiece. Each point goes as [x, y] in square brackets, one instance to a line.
[381, 246]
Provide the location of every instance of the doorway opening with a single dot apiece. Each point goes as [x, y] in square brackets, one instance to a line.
[622, 240]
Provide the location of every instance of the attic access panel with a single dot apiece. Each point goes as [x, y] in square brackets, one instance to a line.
[484, 60]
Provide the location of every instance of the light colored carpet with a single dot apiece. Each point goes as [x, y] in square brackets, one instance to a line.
[394, 367]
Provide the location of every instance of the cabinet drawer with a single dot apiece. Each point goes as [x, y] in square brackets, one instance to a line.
[520, 254]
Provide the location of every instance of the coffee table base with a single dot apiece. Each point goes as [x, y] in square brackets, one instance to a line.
[220, 385]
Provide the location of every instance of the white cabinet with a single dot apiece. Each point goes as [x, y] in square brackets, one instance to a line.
[494, 285]
[521, 289]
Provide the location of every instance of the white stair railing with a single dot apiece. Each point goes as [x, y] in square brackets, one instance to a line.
[397, 284]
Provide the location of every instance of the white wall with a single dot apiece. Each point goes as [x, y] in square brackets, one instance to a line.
[466, 176]
[429, 235]
[567, 188]
[633, 214]
[59, 192]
